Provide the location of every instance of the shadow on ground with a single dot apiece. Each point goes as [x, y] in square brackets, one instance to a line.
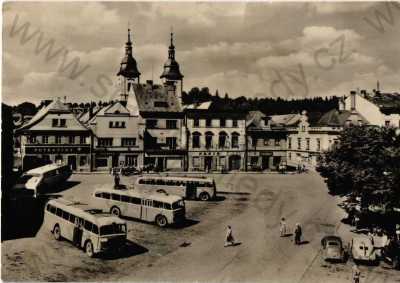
[130, 249]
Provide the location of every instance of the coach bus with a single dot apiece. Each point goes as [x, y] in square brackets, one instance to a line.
[186, 187]
[41, 179]
[163, 209]
[90, 229]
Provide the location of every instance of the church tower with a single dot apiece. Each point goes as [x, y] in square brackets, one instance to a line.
[128, 73]
[172, 74]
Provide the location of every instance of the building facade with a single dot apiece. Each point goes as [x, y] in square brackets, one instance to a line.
[266, 141]
[378, 108]
[118, 137]
[54, 134]
[216, 141]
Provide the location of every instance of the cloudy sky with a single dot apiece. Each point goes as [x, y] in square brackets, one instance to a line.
[250, 49]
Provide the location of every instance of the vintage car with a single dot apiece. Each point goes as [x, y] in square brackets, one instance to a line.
[362, 249]
[332, 249]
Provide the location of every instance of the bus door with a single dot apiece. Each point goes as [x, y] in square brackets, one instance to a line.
[191, 190]
[146, 209]
[78, 232]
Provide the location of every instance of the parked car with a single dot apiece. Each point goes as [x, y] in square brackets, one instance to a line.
[362, 249]
[332, 249]
[391, 253]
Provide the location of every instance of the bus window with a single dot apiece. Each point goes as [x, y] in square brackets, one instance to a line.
[135, 200]
[88, 225]
[178, 204]
[95, 229]
[112, 229]
[141, 181]
[158, 204]
[115, 197]
[48, 207]
[53, 209]
[72, 218]
[98, 194]
[59, 212]
[106, 195]
[124, 198]
[65, 215]
[167, 206]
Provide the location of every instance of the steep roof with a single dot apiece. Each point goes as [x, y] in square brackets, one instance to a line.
[285, 120]
[254, 118]
[56, 107]
[388, 103]
[156, 98]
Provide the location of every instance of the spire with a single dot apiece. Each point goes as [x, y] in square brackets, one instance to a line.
[171, 51]
[171, 67]
[128, 67]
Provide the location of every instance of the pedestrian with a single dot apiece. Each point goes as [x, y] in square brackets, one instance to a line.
[398, 232]
[116, 180]
[297, 234]
[229, 240]
[282, 228]
[356, 273]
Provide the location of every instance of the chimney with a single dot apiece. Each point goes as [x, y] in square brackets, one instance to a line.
[353, 99]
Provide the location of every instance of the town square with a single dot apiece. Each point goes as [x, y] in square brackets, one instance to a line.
[200, 142]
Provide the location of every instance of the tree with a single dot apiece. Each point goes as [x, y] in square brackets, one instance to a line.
[365, 164]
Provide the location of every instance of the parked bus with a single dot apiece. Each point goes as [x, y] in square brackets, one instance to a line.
[40, 180]
[163, 209]
[90, 229]
[187, 187]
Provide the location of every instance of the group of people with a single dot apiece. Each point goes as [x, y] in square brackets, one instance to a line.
[284, 231]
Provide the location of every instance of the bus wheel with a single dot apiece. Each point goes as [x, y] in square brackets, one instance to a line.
[161, 221]
[204, 196]
[115, 211]
[89, 249]
[57, 232]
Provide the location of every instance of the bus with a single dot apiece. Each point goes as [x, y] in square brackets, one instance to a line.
[89, 229]
[162, 209]
[41, 179]
[186, 187]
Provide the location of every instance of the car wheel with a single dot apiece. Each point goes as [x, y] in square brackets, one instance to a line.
[204, 197]
[161, 221]
[89, 249]
[115, 211]
[57, 232]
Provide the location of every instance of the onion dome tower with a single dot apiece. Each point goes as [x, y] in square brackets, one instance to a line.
[128, 72]
[172, 74]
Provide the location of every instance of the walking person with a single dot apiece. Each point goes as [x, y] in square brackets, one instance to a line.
[356, 274]
[229, 240]
[297, 234]
[116, 180]
[283, 229]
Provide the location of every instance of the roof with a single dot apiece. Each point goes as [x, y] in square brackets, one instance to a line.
[55, 107]
[45, 168]
[254, 118]
[85, 211]
[156, 98]
[388, 103]
[169, 198]
[285, 120]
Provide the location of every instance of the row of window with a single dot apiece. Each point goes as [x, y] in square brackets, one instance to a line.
[59, 123]
[104, 142]
[176, 183]
[56, 139]
[307, 145]
[268, 142]
[209, 123]
[153, 124]
[117, 124]
[223, 141]
[89, 226]
[133, 200]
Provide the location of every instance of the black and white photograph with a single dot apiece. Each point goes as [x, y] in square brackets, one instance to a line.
[215, 141]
